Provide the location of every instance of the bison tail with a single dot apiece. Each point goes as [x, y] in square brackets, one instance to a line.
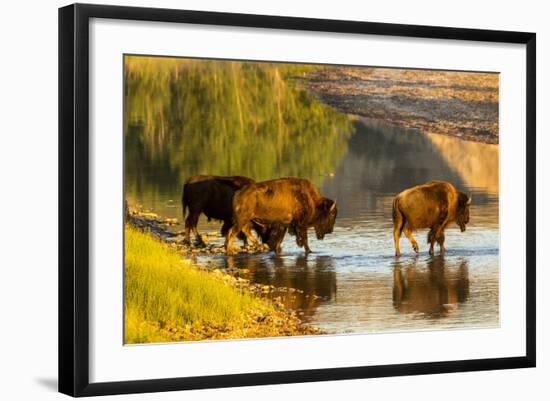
[397, 216]
[183, 202]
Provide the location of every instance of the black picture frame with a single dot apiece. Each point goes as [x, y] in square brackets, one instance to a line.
[74, 198]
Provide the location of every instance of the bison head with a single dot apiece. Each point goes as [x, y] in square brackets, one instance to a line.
[326, 216]
[463, 210]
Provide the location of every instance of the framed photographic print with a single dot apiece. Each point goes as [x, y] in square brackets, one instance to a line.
[249, 199]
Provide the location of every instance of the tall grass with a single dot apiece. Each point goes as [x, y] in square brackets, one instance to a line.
[162, 289]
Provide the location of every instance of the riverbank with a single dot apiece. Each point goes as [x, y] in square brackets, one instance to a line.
[161, 228]
[458, 104]
[170, 298]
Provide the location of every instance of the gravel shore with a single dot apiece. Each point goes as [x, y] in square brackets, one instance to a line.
[277, 321]
[458, 104]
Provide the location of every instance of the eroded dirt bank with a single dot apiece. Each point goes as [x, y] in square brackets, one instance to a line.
[459, 104]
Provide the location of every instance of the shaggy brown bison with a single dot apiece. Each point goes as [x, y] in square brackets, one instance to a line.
[434, 205]
[290, 202]
[213, 196]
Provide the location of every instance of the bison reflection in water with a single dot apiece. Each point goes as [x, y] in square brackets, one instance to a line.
[291, 202]
[213, 196]
[434, 291]
[313, 278]
[434, 205]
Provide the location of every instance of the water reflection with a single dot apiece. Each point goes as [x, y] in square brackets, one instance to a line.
[185, 117]
[476, 163]
[312, 279]
[432, 288]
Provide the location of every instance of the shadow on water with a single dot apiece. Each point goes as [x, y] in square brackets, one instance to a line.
[433, 288]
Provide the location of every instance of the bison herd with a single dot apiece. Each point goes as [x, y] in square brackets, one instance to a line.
[273, 208]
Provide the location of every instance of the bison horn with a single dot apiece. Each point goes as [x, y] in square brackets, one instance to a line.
[332, 207]
[469, 200]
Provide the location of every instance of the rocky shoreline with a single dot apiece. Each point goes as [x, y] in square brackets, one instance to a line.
[159, 227]
[281, 321]
[459, 104]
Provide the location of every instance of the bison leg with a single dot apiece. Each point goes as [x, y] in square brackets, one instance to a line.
[225, 229]
[233, 232]
[229, 239]
[443, 222]
[396, 236]
[243, 238]
[276, 238]
[408, 234]
[226, 226]
[441, 243]
[432, 235]
[271, 235]
[301, 239]
[246, 231]
[187, 233]
[198, 238]
[191, 224]
[398, 223]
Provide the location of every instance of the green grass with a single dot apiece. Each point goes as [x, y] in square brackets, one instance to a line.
[163, 292]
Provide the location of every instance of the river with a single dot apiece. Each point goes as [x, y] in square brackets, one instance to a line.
[351, 283]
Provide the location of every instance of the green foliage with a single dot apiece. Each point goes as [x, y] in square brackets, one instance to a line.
[161, 288]
[184, 117]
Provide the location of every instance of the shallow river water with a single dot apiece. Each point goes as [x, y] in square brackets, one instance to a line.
[352, 282]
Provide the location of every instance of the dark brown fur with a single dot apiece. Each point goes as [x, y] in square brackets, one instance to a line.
[294, 203]
[213, 196]
[434, 205]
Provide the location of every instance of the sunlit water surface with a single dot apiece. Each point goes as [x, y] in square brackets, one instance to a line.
[352, 282]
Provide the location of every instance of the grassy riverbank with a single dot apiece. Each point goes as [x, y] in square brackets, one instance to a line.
[169, 299]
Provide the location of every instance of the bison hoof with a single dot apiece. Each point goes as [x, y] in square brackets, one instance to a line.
[415, 247]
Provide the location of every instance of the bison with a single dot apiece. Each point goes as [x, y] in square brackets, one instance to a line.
[293, 203]
[213, 196]
[434, 205]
